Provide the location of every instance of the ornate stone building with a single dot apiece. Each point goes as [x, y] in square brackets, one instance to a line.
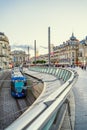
[82, 58]
[4, 51]
[72, 52]
[18, 57]
[67, 53]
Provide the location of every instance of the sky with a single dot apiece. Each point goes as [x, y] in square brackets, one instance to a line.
[24, 21]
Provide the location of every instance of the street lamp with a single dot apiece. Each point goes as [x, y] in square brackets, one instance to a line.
[35, 50]
[49, 46]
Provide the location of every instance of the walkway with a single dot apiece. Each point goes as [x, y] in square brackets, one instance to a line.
[80, 93]
[51, 83]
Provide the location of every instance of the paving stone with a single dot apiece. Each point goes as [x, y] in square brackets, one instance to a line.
[80, 93]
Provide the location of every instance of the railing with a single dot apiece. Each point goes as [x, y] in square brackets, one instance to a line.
[41, 115]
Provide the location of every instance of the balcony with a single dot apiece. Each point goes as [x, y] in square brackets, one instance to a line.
[3, 55]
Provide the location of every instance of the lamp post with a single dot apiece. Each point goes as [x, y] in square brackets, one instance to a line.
[35, 51]
[49, 46]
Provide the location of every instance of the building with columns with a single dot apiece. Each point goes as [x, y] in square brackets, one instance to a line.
[18, 57]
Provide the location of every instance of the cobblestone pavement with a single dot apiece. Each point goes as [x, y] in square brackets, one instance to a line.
[9, 109]
[80, 93]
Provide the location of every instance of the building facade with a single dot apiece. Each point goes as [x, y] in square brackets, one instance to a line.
[18, 57]
[70, 53]
[83, 52]
[67, 53]
[5, 51]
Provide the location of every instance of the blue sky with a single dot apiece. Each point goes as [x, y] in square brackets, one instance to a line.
[24, 21]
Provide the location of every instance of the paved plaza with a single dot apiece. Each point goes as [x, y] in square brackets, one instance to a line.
[80, 93]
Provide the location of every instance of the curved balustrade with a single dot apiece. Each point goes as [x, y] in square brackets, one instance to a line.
[41, 115]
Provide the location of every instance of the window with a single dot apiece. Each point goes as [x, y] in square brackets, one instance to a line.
[80, 54]
[72, 54]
